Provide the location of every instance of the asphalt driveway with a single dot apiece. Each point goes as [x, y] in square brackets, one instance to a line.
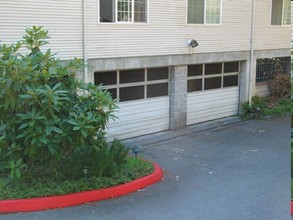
[236, 171]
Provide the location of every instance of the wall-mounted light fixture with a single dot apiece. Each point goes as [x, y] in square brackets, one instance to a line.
[192, 43]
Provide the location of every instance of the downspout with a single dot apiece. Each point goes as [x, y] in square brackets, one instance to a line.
[84, 30]
[251, 71]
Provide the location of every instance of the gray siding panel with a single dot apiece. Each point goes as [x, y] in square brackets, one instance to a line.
[63, 18]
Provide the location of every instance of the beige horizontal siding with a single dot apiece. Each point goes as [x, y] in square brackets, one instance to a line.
[63, 19]
[269, 36]
[167, 32]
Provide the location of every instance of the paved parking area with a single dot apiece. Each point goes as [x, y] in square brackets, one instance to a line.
[237, 171]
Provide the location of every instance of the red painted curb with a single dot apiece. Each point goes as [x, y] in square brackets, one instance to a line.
[291, 207]
[51, 202]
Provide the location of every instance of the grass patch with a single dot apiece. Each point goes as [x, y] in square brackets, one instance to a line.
[266, 108]
[131, 170]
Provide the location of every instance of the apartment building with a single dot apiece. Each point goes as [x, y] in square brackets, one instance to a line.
[169, 63]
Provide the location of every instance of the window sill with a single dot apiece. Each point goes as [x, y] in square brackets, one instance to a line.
[204, 25]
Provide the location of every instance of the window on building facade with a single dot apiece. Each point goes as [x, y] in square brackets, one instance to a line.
[127, 85]
[202, 77]
[204, 12]
[126, 11]
[281, 12]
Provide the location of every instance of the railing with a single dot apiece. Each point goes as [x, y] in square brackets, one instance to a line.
[267, 68]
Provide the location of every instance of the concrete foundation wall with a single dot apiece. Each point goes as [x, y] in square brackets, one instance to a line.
[178, 97]
[261, 89]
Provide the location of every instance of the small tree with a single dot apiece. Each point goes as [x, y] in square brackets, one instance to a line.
[43, 120]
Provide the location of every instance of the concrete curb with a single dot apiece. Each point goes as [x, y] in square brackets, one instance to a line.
[52, 202]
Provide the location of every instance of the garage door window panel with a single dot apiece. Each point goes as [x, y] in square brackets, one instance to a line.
[105, 78]
[195, 70]
[194, 85]
[157, 74]
[131, 76]
[231, 67]
[113, 93]
[157, 90]
[214, 68]
[230, 81]
[212, 83]
[131, 93]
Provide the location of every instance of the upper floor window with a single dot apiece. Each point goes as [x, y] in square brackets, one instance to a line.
[128, 11]
[204, 12]
[281, 12]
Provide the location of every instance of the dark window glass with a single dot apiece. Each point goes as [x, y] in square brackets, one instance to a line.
[156, 90]
[158, 73]
[195, 70]
[194, 85]
[213, 68]
[105, 78]
[113, 93]
[131, 93]
[230, 81]
[107, 11]
[212, 83]
[277, 11]
[130, 76]
[231, 67]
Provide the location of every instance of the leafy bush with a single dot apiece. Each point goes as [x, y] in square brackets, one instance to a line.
[280, 86]
[261, 107]
[251, 110]
[44, 120]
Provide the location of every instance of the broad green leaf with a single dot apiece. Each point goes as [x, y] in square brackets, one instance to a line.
[76, 128]
[57, 130]
[73, 122]
[84, 133]
[24, 125]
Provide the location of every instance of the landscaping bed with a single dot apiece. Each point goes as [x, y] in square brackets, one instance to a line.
[46, 186]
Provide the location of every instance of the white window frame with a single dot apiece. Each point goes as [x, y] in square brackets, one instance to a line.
[282, 19]
[132, 13]
[204, 14]
[132, 18]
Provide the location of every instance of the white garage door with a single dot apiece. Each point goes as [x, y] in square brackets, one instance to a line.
[213, 91]
[140, 117]
[143, 96]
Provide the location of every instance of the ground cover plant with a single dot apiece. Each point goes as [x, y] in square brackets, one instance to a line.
[52, 125]
[276, 105]
[264, 108]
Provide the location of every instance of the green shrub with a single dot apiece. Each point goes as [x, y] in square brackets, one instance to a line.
[253, 109]
[43, 119]
[280, 86]
[262, 107]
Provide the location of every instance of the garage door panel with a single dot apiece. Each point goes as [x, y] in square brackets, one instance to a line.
[140, 117]
[212, 104]
[120, 132]
[154, 107]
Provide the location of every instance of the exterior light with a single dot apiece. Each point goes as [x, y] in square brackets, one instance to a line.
[192, 43]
